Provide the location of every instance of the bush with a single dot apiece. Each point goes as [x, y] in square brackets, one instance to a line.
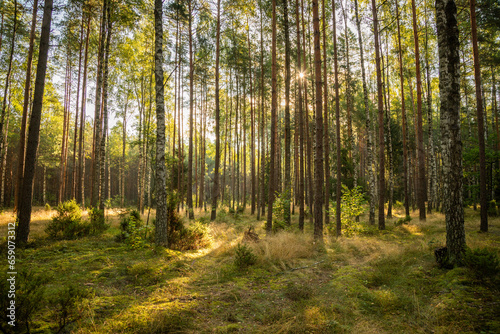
[132, 230]
[244, 256]
[402, 221]
[67, 223]
[97, 223]
[47, 207]
[351, 206]
[280, 204]
[482, 262]
[66, 305]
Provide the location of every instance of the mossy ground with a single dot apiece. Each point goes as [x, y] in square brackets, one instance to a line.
[375, 282]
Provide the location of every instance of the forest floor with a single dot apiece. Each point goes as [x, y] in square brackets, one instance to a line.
[373, 282]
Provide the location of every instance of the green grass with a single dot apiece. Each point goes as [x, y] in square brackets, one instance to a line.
[375, 282]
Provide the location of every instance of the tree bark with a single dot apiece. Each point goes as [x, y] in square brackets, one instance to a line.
[24, 212]
[419, 135]
[161, 237]
[369, 154]
[381, 145]
[26, 101]
[449, 90]
[301, 122]
[337, 118]
[215, 191]
[189, 194]
[483, 195]
[318, 160]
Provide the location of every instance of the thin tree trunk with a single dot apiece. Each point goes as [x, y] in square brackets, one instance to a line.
[369, 156]
[288, 176]
[381, 145]
[26, 102]
[215, 191]
[318, 160]
[326, 137]
[274, 136]
[483, 195]
[161, 237]
[337, 118]
[189, 194]
[96, 159]
[419, 135]
[301, 122]
[24, 212]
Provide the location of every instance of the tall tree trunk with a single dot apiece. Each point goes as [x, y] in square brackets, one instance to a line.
[67, 104]
[432, 174]
[124, 144]
[318, 160]
[4, 156]
[252, 125]
[263, 118]
[81, 135]
[369, 154]
[274, 136]
[24, 212]
[326, 137]
[483, 195]
[449, 90]
[381, 145]
[102, 154]
[96, 159]
[161, 237]
[419, 135]
[337, 118]
[26, 102]
[215, 191]
[301, 121]
[288, 176]
[189, 200]
[75, 132]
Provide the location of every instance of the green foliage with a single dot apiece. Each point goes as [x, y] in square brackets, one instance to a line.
[244, 256]
[483, 262]
[281, 202]
[97, 223]
[195, 236]
[47, 207]
[29, 299]
[67, 224]
[351, 206]
[67, 305]
[132, 231]
[402, 221]
[114, 202]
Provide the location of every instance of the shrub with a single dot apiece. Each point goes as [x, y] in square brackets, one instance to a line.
[67, 223]
[482, 262]
[97, 223]
[67, 305]
[132, 230]
[280, 204]
[47, 207]
[402, 221]
[351, 206]
[244, 256]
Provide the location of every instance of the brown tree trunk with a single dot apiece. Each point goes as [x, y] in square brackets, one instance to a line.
[337, 118]
[326, 137]
[288, 144]
[274, 137]
[419, 135]
[381, 145]
[189, 200]
[26, 101]
[24, 212]
[215, 191]
[318, 160]
[301, 121]
[483, 195]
